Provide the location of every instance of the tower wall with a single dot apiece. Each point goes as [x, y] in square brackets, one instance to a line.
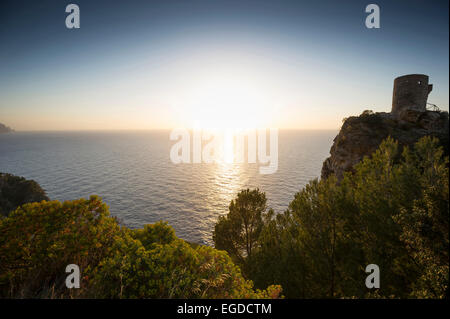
[410, 93]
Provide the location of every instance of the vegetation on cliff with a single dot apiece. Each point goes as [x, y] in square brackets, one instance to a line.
[38, 241]
[361, 135]
[16, 191]
[389, 212]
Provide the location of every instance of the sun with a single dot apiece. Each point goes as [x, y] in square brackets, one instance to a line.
[225, 100]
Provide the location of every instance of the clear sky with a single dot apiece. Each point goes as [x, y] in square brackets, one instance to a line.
[165, 64]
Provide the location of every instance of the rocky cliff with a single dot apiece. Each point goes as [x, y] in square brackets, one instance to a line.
[361, 135]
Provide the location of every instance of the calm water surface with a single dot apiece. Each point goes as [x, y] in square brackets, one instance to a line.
[133, 173]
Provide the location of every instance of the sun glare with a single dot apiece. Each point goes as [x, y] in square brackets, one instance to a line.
[225, 101]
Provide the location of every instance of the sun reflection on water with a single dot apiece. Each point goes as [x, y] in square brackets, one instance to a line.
[228, 180]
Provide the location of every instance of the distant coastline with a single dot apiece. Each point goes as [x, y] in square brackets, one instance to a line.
[5, 129]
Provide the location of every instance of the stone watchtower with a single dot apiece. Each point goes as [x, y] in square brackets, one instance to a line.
[410, 93]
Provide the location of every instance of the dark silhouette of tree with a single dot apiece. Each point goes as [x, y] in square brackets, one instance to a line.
[239, 230]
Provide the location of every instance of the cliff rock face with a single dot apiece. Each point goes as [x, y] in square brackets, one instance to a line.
[361, 135]
[16, 191]
[408, 122]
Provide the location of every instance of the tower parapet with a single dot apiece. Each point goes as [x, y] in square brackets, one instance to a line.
[410, 93]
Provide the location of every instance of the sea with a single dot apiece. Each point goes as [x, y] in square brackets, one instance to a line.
[133, 173]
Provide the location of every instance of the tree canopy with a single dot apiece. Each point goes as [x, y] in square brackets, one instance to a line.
[38, 241]
[389, 212]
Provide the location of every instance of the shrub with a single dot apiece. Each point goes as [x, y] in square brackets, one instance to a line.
[38, 241]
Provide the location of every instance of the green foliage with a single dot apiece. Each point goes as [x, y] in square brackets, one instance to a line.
[239, 230]
[221, 278]
[152, 234]
[39, 240]
[388, 212]
[425, 226]
[279, 258]
[378, 190]
[16, 191]
[136, 271]
[168, 267]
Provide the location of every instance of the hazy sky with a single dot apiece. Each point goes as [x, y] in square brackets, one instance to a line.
[165, 64]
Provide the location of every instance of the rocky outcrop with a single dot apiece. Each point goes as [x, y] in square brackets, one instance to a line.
[16, 191]
[361, 135]
[408, 122]
[5, 129]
